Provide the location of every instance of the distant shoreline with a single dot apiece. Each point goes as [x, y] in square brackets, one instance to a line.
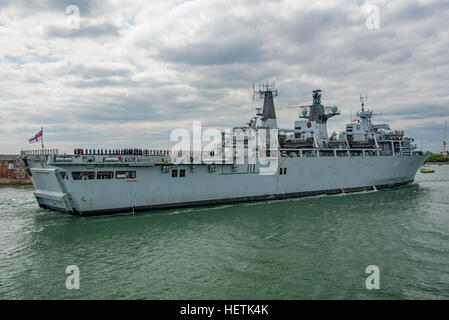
[438, 163]
[14, 182]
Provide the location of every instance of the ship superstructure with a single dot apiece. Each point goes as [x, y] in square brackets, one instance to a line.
[295, 162]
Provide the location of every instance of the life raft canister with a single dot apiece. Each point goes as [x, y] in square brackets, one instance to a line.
[309, 124]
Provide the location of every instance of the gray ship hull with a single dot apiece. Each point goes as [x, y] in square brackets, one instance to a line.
[152, 188]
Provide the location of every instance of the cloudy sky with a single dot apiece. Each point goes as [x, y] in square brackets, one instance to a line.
[135, 70]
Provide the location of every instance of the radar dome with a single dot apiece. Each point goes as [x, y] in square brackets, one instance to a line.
[304, 112]
[334, 109]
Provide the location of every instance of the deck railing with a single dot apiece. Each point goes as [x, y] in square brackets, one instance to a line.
[46, 152]
[168, 156]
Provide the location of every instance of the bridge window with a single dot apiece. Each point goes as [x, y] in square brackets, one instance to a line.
[125, 174]
[84, 175]
[182, 173]
[105, 175]
[174, 173]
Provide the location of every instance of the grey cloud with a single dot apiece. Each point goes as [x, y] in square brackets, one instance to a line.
[214, 52]
[86, 7]
[253, 40]
[419, 111]
[89, 83]
[414, 11]
[85, 31]
[99, 72]
[305, 27]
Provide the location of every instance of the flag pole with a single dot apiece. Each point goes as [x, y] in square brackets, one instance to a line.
[42, 137]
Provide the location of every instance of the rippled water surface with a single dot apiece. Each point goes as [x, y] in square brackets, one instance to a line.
[309, 248]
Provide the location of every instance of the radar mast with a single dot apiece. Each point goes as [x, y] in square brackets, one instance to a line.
[317, 112]
[268, 92]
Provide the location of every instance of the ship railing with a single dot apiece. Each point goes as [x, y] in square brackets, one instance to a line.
[167, 156]
[46, 152]
[127, 152]
[302, 152]
[390, 138]
[142, 156]
[136, 152]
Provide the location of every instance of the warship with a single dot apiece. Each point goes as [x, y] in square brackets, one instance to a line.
[254, 162]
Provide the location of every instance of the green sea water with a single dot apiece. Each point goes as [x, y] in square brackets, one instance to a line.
[309, 248]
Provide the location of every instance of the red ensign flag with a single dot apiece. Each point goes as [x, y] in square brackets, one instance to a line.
[37, 137]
